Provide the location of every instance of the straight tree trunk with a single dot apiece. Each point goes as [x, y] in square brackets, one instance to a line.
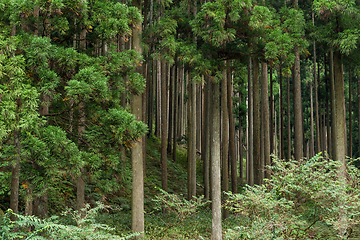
[298, 149]
[272, 147]
[206, 140]
[250, 159]
[216, 233]
[137, 194]
[339, 131]
[232, 149]
[288, 118]
[256, 102]
[312, 150]
[225, 138]
[164, 181]
[192, 140]
[333, 110]
[350, 116]
[281, 110]
[265, 111]
[175, 112]
[317, 127]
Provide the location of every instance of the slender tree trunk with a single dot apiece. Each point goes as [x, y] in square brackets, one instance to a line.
[192, 140]
[333, 111]
[288, 118]
[137, 195]
[163, 131]
[171, 119]
[256, 102]
[206, 139]
[281, 110]
[312, 150]
[232, 149]
[175, 113]
[350, 116]
[272, 147]
[250, 159]
[265, 111]
[225, 138]
[216, 233]
[298, 108]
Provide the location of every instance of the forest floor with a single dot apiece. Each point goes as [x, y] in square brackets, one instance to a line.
[170, 225]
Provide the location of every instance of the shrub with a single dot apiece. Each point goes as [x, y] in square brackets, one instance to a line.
[298, 195]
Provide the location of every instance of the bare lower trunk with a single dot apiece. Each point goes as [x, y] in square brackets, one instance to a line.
[225, 139]
[265, 111]
[216, 233]
[298, 141]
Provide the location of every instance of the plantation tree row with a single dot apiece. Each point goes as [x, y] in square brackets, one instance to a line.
[84, 83]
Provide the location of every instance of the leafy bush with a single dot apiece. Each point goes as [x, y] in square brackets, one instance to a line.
[81, 225]
[298, 195]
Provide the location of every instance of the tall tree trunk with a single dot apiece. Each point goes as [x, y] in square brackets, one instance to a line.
[216, 233]
[317, 127]
[250, 159]
[312, 150]
[192, 140]
[298, 141]
[163, 131]
[281, 120]
[137, 194]
[272, 147]
[350, 116]
[175, 100]
[232, 149]
[265, 111]
[339, 133]
[80, 183]
[256, 102]
[288, 118]
[333, 111]
[206, 139]
[225, 138]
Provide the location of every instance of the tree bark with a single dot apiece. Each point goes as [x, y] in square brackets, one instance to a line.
[206, 152]
[216, 233]
[250, 159]
[192, 140]
[288, 118]
[256, 102]
[164, 126]
[298, 141]
[265, 111]
[312, 150]
[225, 138]
[281, 120]
[232, 149]
[137, 194]
[350, 116]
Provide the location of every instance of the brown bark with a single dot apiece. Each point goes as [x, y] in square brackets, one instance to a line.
[250, 159]
[216, 233]
[312, 150]
[206, 139]
[164, 180]
[350, 116]
[272, 145]
[256, 102]
[265, 111]
[288, 118]
[281, 120]
[192, 140]
[225, 138]
[298, 141]
[137, 194]
[232, 149]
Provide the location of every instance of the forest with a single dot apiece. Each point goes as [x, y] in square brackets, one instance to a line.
[179, 119]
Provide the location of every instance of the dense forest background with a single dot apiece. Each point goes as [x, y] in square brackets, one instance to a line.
[252, 105]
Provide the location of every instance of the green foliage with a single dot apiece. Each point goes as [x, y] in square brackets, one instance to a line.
[85, 226]
[298, 195]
